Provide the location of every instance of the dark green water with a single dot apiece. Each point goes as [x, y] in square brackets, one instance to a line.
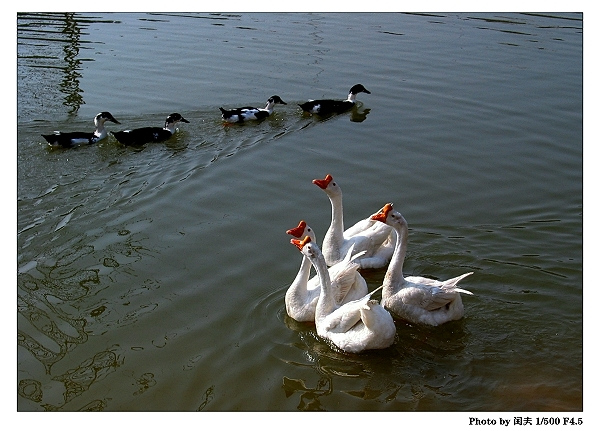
[153, 278]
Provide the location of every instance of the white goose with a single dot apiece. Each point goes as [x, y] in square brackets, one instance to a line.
[358, 325]
[417, 299]
[378, 240]
[302, 295]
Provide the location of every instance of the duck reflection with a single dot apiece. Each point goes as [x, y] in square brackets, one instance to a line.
[358, 114]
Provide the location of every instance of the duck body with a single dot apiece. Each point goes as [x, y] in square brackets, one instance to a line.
[145, 135]
[302, 295]
[72, 139]
[332, 106]
[416, 299]
[249, 113]
[377, 240]
[355, 326]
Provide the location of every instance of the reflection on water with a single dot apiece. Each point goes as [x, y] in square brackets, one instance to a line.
[58, 300]
[49, 326]
[206, 398]
[357, 114]
[41, 300]
[70, 82]
[79, 380]
[309, 397]
[75, 382]
[64, 28]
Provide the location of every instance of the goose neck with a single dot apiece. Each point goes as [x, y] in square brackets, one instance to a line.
[326, 302]
[394, 277]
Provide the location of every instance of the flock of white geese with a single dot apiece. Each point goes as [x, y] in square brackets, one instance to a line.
[337, 299]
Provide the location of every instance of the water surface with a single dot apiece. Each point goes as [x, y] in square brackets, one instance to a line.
[153, 278]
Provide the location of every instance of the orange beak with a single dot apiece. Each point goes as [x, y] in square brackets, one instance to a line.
[383, 213]
[324, 182]
[300, 243]
[298, 230]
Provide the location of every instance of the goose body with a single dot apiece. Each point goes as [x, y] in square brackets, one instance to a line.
[332, 106]
[355, 326]
[71, 139]
[302, 295]
[248, 113]
[377, 240]
[418, 300]
[150, 134]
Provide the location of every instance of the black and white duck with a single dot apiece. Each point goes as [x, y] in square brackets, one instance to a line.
[72, 139]
[332, 106]
[240, 115]
[150, 134]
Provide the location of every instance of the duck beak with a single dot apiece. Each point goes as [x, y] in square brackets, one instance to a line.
[300, 243]
[383, 213]
[298, 230]
[184, 120]
[324, 182]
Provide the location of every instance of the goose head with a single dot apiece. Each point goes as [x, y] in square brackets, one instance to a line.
[306, 246]
[389, 216]
[328, 186]
[300, 230]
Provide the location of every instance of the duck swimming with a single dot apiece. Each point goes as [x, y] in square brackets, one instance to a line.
[71, 139]
[355, 326]
[376, 239]
[417, 299]
[239, 115]
[302, 295]
[330, 106]
[150, 134]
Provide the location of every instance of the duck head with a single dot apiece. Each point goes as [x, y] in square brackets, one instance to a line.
[276, 100]
[359, 88]
[273, 100]
[174, 119]
[102, 117]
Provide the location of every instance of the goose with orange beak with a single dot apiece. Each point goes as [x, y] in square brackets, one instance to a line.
[418, 300]
[375, 239]
[355, 326]
[302, 295]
